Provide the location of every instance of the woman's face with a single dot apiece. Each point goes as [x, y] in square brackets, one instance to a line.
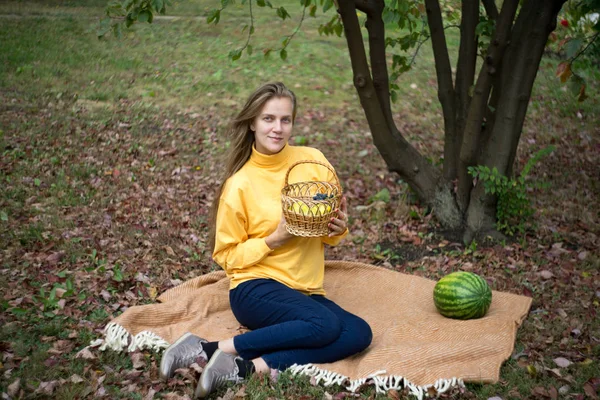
[273, 126]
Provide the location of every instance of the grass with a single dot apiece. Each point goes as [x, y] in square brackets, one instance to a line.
[93, 194]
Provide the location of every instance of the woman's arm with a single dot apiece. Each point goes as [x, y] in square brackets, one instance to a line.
[233, 249]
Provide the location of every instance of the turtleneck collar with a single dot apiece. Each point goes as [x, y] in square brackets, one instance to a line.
[265, 160]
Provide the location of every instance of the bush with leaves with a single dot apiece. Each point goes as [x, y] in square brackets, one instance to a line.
[514, 206]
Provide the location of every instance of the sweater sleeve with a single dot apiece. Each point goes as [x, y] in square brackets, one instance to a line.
[233, 249]
[335, 240]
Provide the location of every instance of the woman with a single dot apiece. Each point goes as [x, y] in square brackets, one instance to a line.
[276, 278]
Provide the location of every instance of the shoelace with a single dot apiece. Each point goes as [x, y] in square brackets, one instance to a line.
[231, 377]
[189, 355]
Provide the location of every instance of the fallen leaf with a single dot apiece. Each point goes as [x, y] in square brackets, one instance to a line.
[13, 388]
[152, 292]
[170, 251]
[46, 388]
[494, 398]
[554, 371]
[55, 258]
[241, 393]
[150, 394]
[590, 391]
[138, 361]
[553, 393]
[539, 392]
[230, 395]
[61, 346]
[562, 362]
[561, 312]
[545, 274]
[105, 295]
[101, 392]
[76, 378]
[393, 394]
[86, 354]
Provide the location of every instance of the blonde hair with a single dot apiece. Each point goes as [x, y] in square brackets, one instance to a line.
[242, 139]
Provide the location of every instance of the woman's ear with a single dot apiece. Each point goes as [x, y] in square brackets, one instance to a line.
[252, 128]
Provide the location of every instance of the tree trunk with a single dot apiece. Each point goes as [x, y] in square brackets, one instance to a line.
[465, 75]
[508, 72]
[520, 65]
[398, 154]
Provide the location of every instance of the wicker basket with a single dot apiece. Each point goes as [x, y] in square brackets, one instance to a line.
[305, 215]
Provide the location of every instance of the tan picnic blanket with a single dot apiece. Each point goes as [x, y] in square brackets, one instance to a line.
[413, 346]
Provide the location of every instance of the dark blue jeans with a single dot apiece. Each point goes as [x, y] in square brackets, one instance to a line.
[289, 327]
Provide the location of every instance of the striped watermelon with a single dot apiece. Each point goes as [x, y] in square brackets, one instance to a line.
[462, 295]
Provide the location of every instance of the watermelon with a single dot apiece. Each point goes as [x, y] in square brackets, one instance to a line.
[462, 295]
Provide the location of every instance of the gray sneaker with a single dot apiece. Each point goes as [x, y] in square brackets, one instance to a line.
[181, 354]
[221, 369]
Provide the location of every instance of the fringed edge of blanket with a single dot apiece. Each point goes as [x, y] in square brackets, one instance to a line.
[117, 338]
[383, 383]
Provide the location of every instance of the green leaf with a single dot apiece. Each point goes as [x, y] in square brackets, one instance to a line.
[382, 195]
[283, 54]
[158, 5]
[249, 50]
[213, 16]
[313, 11]
[260, 3]
[235, 54]
[338, 29]
[117, 274]
[37, 182]
[394, 96]
[17, 311]
[282, 13]
[3, 216]
[328, 4]
[572, 47]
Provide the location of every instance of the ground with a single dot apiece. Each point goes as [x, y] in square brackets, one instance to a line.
[110, 158]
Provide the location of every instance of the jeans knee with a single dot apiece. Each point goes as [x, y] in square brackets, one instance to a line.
[325, 330]
[363, 334]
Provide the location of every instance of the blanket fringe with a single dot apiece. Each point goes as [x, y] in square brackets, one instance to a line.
[117, 338]
[383, 383]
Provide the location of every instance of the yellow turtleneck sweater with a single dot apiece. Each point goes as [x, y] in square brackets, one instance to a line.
[250, 210]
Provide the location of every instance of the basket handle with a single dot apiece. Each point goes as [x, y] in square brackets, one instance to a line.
[311, 162]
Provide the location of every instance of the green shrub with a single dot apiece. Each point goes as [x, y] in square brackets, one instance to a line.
[514, 207]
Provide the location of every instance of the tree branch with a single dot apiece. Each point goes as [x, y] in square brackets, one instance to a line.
[398, 154]
[376, 30]
[465, 75]
[479, 102]
[533, 55]
[444, 72]
[490, 9]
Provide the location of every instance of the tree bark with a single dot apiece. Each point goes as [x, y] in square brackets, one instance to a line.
[376, 29]
[491, 9]
[534, 24]
[445, 84]
[398, 154]
[540, 34]
[479, 102]
[465, 75]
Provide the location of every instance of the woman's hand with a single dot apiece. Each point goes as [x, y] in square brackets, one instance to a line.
[280, 237]
[338, 225]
